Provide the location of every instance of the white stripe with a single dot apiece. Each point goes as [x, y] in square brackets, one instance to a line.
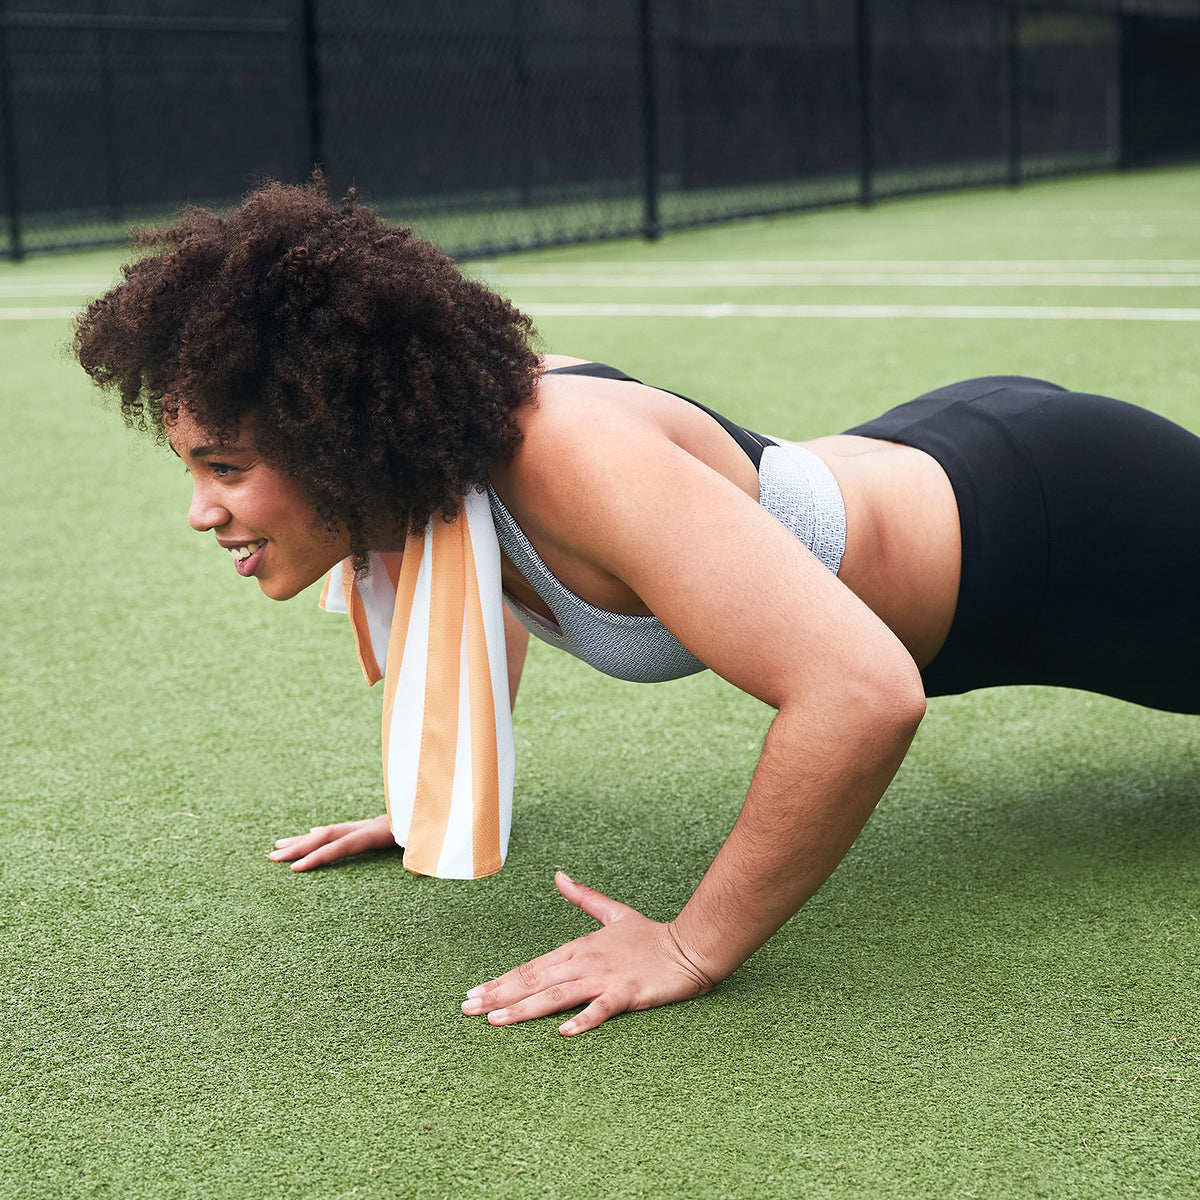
[999, 312]
[852, 279]
[457, 859]
[379, 602]
[335, 593]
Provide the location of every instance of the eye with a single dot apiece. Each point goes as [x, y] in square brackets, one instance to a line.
[222, 470]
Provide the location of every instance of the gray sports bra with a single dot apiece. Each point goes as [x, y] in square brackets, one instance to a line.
[794, 486]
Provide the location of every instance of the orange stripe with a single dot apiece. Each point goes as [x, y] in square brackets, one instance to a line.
[485, 769]
[407, 566]
[324, 591]
[439, 730]
[362, 628]
[393, 563]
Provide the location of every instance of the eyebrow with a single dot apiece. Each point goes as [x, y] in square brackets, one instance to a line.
[209, 451]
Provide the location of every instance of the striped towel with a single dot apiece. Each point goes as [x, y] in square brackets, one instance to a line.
[429, 622]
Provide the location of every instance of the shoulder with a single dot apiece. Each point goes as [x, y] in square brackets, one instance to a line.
[610, 447]
[579, 436]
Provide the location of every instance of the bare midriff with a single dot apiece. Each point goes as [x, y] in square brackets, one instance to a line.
[903, 542]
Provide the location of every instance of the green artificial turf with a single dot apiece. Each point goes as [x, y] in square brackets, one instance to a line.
[995, 995]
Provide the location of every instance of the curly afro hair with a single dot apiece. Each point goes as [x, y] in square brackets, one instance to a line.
[376, 375]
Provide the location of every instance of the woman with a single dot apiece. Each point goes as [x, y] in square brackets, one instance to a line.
[333, 383]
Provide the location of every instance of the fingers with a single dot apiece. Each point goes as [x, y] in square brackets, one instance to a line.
[327, 843]
[540, 974]
[557, 988]
[354, 842]
[550, 969]
[596, 904]
[531, 991]
[600, 970]
[554, 998]
[595, 1014]
[291, 847]
[553, 988]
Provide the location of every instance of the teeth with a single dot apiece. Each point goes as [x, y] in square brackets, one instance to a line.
[243, 552]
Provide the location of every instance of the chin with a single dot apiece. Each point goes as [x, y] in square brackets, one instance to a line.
[274, 590]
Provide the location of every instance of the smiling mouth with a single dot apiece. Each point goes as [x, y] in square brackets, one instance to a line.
[247, 557]
[241, 553]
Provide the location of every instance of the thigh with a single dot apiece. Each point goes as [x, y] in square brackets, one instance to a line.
[1121, 613]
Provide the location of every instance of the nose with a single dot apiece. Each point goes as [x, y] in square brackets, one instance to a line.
[204, 513]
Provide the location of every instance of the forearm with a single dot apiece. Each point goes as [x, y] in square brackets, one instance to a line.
[516, 643]
[820, 776]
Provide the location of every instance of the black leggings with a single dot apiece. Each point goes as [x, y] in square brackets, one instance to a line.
[1080, 540]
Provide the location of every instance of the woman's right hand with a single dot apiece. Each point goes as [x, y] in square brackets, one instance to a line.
[327, 843]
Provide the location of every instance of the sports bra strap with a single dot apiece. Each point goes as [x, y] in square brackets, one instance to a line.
[752, 443]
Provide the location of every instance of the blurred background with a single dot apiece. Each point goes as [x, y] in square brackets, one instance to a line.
[996, 994]
[498, 125]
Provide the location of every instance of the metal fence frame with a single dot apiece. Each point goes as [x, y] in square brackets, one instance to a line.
[303, 28]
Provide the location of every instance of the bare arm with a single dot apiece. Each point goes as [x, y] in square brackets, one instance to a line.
[757, 607]
[817, 781]
[516, 644]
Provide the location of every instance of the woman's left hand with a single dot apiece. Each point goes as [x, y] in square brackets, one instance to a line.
[631, 963]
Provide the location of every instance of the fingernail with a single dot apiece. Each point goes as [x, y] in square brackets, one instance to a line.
[475, 991]
[472, 1006]
[567, 1027]
[501, 1014]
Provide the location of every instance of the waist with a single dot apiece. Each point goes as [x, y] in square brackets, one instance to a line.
[903, 540]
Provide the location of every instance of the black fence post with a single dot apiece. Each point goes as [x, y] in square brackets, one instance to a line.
[314, 112]
[866, 161]
[1014, 94]
[650, 225]
[1125, 26]
[8, 144]
[108, 114]
[522, 84]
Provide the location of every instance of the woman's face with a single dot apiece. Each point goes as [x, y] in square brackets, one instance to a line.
[260, 515]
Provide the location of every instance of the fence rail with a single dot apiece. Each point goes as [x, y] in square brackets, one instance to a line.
[503, 124]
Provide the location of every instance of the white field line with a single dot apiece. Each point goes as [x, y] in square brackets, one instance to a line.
[45, 313]
[1141, 272]
[57, 287]
[904, 265]
[992, 312]
[850, 279]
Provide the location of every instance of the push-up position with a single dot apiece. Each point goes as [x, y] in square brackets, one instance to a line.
[342, 395]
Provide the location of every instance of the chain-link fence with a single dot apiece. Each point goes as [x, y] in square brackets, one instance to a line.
[501, 124]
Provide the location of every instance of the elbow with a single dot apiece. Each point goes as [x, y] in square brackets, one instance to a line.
[871, 700]
[910, 708]
[894, 700]
[879, 701]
